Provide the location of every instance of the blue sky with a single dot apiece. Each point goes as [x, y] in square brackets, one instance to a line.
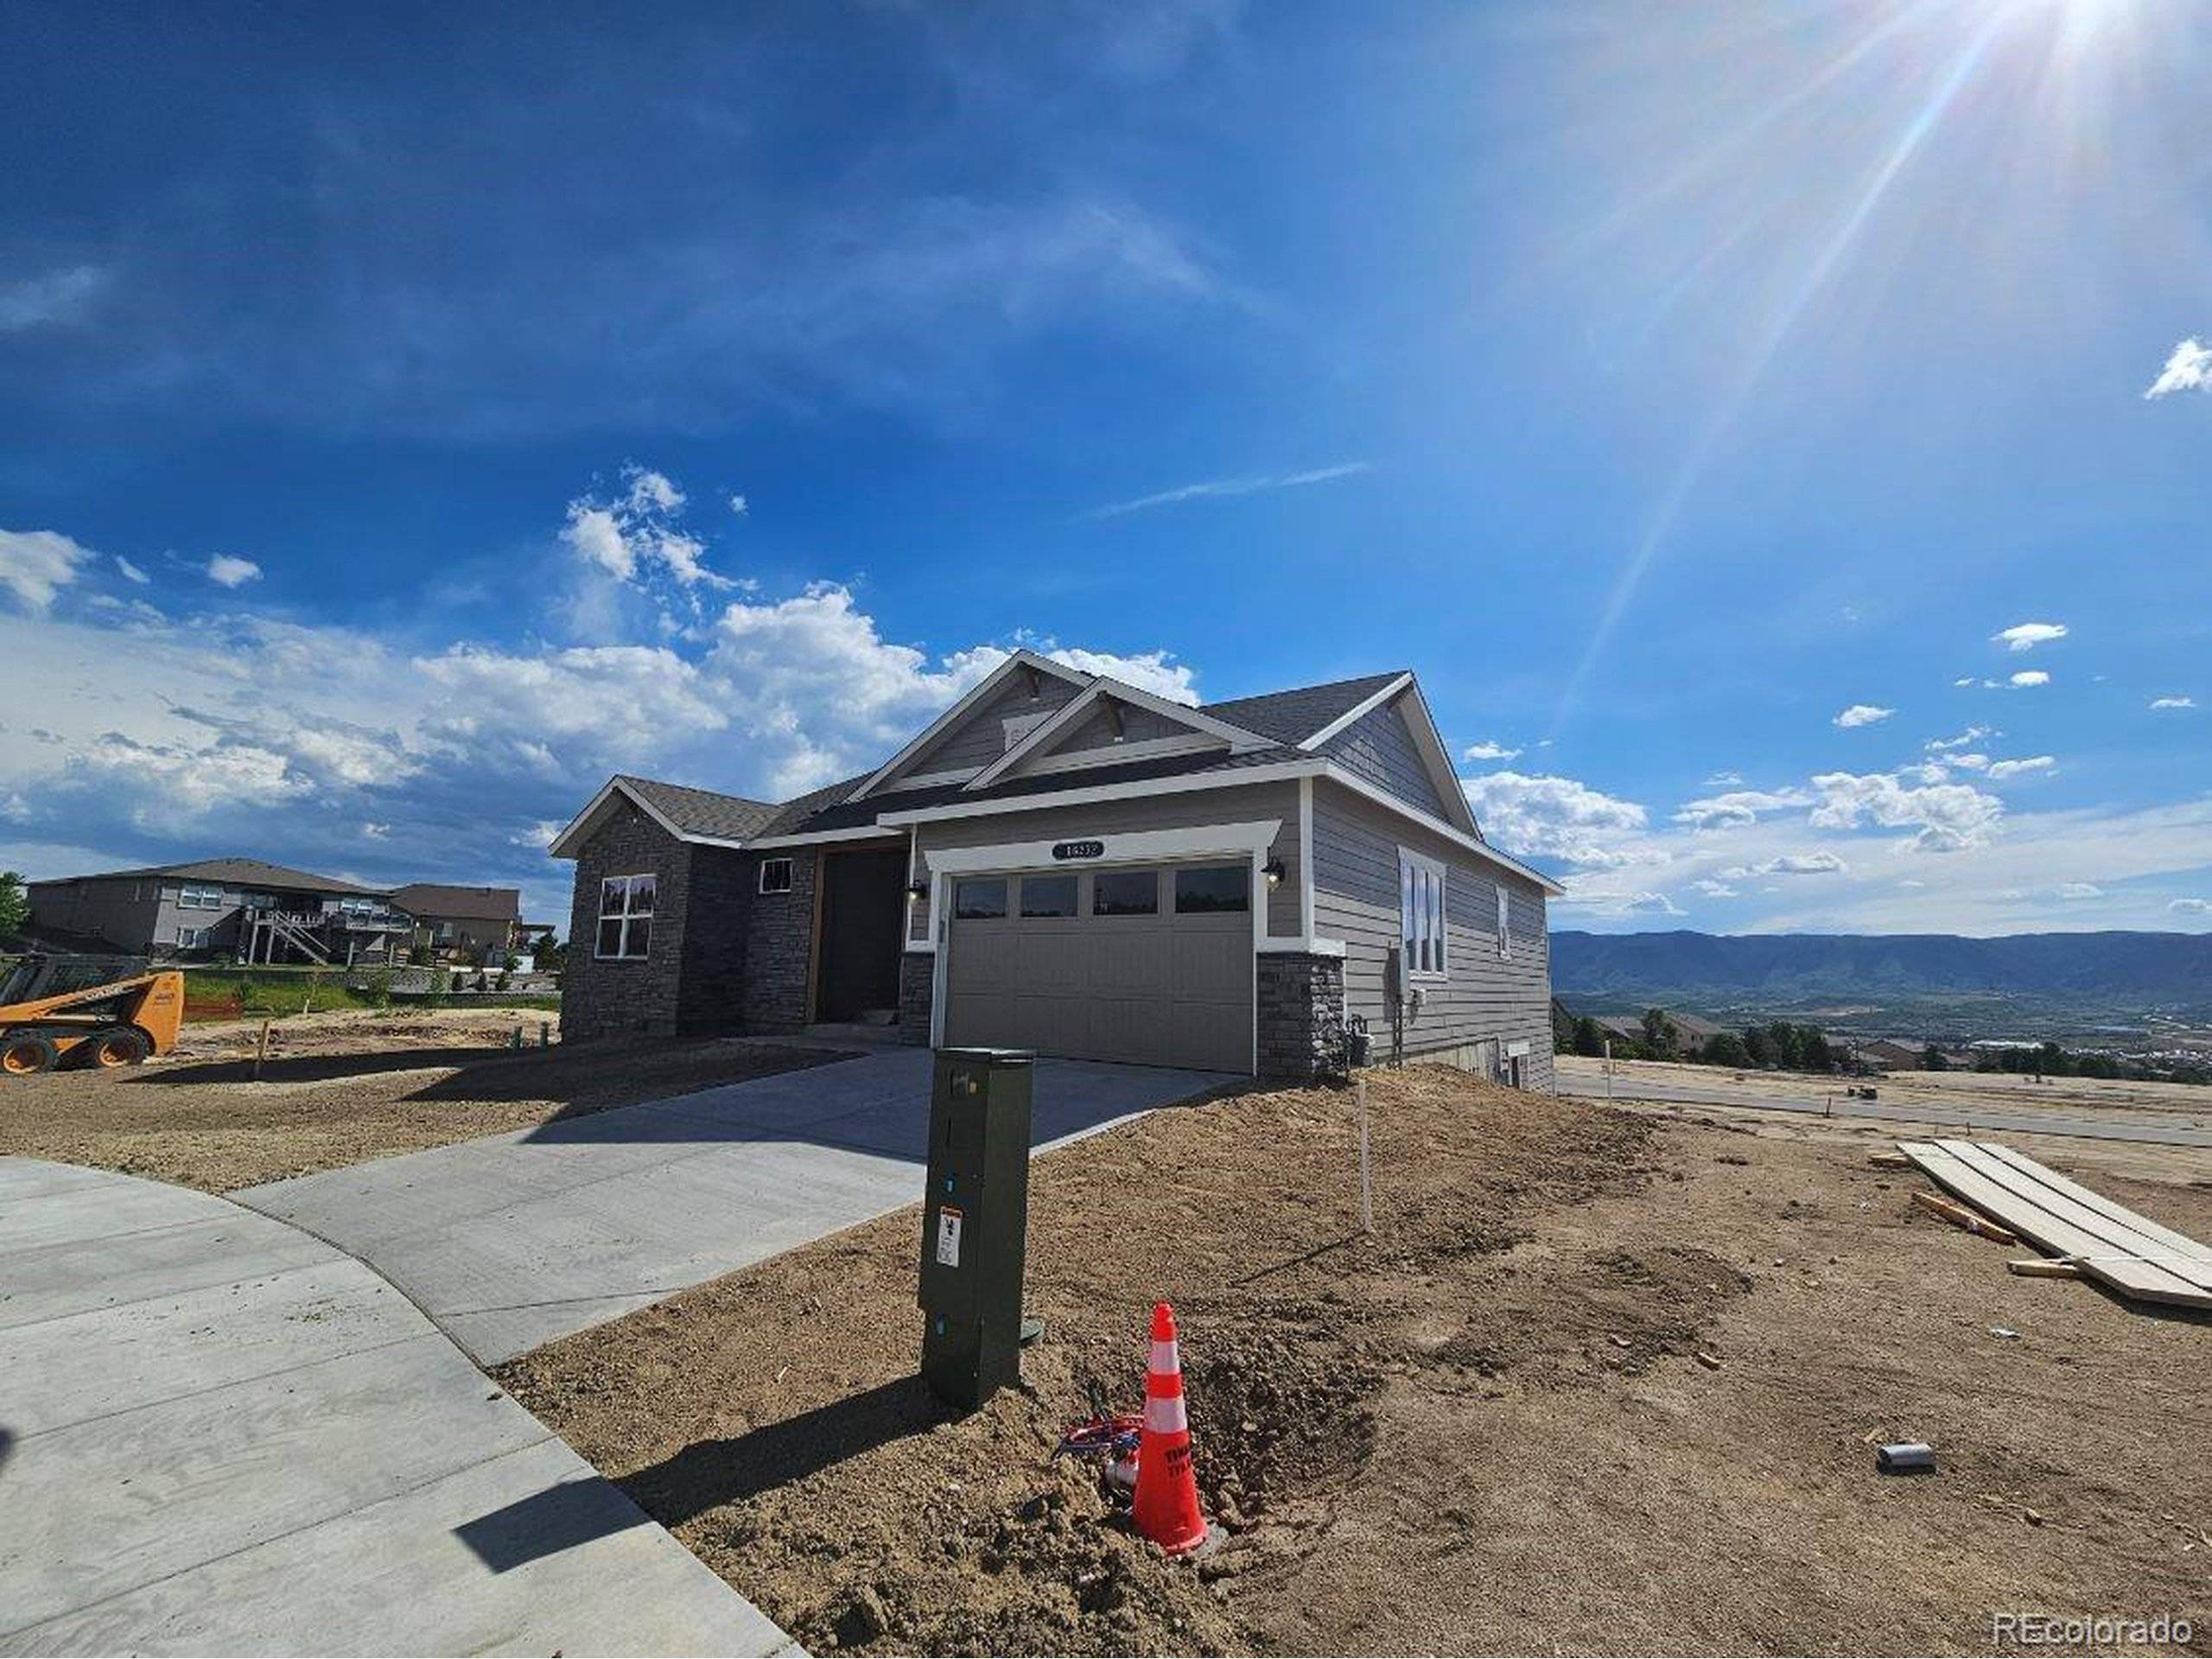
[405, 423]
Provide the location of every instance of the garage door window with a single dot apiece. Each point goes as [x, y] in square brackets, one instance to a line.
[1216, 889]
[1125, 892]
[1048, 895]
[978, 901]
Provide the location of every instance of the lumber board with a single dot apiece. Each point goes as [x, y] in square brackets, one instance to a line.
[2097, 1254]
[2178, 1243]
[2128, 1231]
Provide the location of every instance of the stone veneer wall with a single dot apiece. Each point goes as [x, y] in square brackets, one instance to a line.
[916, 995]
[718, 900]
[601, 999]
[778, 930]
[1301, 1013]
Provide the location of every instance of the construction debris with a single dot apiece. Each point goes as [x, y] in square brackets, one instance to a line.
[1959, 1216]
[2132, 1254]
[1905, 1458]
[2035, 1268]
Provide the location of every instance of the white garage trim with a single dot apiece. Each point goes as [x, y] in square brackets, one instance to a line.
[1251, 840]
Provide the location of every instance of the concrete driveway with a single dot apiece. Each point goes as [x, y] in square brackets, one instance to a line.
[220, 1435]
[512, 1240]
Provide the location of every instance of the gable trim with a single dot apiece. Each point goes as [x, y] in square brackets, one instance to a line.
[569, 843]
[1356, 712]
[1240, 741]
[982, 689]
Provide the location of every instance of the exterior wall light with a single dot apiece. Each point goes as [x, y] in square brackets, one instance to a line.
[1273, 870]
[918, 889]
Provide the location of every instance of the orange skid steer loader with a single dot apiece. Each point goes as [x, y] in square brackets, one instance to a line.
[96, 1012]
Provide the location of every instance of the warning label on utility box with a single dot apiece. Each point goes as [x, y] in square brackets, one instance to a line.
[948, 1237]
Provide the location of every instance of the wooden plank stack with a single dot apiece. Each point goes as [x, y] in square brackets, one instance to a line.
[2105, 1241]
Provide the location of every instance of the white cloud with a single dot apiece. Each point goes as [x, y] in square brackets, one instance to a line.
[132, 571]
[1740, 806]
[1817, 863]
[36, 564]
[376, 832]
[2074, 891]
[1715, 889]
[227, 570]
[2028, 676]
[738, 506]
[1968, 739]
[2173, 702]
[2001, 769]
[56, 298]
[1971, 761]
[2191, 906]
[539, 835]
[1548, 817]
[1214, 487]
[1723, 780]
[2026, 636]
[1947, 816]
[628, 535]
[1862, 714]
[1156, 671]
[2190, 369]
[1488, 749]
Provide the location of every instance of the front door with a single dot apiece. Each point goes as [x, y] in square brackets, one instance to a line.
[863, 914]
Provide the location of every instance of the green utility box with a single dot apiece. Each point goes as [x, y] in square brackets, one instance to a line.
[975, 1215]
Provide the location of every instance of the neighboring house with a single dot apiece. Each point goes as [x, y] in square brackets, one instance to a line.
[1890, 1057]
[1690, 1032]
[238, 909]
[455, 921]
[1065, 862]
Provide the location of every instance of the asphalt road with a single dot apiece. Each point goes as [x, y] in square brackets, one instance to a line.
[2152, 1130]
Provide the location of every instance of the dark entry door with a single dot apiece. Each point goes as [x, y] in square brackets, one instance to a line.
[863, 913]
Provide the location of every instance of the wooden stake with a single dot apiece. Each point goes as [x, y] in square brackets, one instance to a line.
[2035, 1268]
[261, 1049]
[1366, 1175]
[1959, 1216]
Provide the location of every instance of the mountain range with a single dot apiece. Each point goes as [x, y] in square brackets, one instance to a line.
[2084, 978]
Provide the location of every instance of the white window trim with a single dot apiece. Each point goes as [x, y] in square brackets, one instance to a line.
[1505, 924]
[1434, 869]
[790, 874]
[625, 917]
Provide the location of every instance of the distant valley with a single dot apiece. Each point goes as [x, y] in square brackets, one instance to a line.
[2029, 985]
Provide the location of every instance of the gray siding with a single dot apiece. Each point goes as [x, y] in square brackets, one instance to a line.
[1355, 845]
[1379, 747]
[981, 738]
[1096, 729]
[1240, 805]
[126, 914]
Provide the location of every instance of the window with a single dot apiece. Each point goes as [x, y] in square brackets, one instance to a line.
[358, 906]
[192, 938]
[193, 896]
[1504, 925]
[1420, 912]
[979, 901]
[1217, 889]
[775, 875]
[1048, 895]
[1125, 892]
[626, 916]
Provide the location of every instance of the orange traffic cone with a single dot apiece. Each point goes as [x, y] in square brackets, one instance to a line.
[1167, 1505]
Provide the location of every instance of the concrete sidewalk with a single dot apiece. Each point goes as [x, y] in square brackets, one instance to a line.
[511, 1240]
[220, 1435]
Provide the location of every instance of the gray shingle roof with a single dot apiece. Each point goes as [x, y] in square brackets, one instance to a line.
[463, 904]
[702, 813]
[1290, 717]
[238, 871]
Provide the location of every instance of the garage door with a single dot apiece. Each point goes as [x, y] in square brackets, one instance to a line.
[1149, 964]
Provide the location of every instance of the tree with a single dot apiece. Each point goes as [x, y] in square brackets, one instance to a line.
[1758, 1044]
[1813, 1052]
[15, 903]
[1589, 1037]
[1660, 1034]
[1726, 1048]
[1931, 1059]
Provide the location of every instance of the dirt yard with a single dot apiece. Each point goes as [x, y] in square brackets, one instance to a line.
[2183, 1102]
[339, 1089]
[1485, 1429]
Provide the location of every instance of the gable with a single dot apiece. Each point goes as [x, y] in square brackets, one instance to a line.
[1380, 746]
[1116, 725]
[982, 734]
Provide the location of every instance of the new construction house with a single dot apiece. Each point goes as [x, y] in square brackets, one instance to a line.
[1065, 862]
[247, 911]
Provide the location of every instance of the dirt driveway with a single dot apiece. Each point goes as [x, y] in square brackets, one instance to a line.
[1485, 1429]
[339, 1089]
